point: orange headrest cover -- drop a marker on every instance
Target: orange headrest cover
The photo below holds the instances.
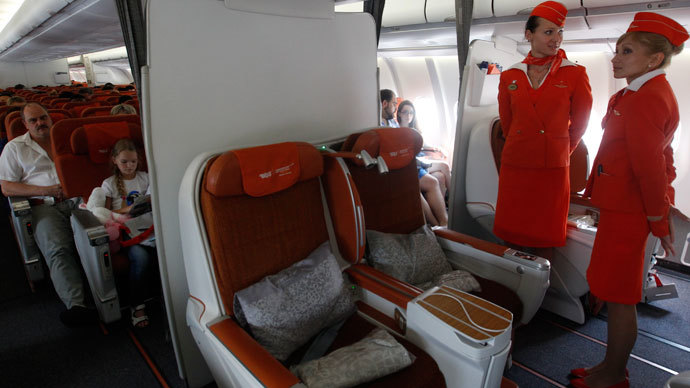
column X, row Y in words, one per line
column 397, row 146
column 263, row 170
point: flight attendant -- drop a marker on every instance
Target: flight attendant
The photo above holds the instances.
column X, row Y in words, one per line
column 544, row 104
column 630, row 182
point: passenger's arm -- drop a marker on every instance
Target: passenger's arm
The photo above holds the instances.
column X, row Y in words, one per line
column 580, row 108
column 122, row 210
column 22, row 189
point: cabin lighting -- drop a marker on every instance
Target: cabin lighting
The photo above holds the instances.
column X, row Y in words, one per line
column 7, row 10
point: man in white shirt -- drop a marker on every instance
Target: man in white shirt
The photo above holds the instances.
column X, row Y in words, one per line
column 388, row 108
column 27, row 169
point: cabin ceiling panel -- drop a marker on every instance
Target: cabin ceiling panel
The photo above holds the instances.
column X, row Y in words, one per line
column 524, row 7
column 403, row 12
column 81, row 27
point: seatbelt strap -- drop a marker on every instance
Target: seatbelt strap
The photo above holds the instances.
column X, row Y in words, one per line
column 322, row 342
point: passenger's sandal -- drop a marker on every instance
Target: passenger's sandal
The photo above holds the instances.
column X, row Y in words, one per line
column 137, row 320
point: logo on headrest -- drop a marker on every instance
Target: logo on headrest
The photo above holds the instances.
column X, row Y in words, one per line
column 280, row 171
column 401, row 152
column 103, row 150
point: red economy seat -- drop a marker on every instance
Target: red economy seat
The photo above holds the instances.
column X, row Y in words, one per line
column 57, row 103
column 96, row 111
column 78, row 165
column 76, row 107
column 16, row 125
column 113, row 100
column 81, row 152
column 14, row 130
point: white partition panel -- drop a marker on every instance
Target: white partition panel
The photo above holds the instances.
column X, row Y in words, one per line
column 244, row 79
column 480, row 50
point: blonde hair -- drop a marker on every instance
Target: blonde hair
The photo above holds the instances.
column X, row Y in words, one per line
column 121, row 145
column 654, row 43
column 123, row 109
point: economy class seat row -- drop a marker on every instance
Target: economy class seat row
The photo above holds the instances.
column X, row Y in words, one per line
column 81, row 155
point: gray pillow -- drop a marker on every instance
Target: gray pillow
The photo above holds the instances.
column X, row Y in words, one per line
column 283, row 311
column 376, row 355
column 415, row 258
column 458, row 279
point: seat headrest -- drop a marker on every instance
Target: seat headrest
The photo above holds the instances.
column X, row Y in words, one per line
column 264, row 170
column 97, row 140
column 397, row 146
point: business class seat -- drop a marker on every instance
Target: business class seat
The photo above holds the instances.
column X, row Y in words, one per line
column 391, row 205
column 568, row 282
column 235, row 230
column 81, row 152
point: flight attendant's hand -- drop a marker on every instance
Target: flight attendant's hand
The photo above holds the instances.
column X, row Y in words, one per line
column 667, row 244
column 667, row 241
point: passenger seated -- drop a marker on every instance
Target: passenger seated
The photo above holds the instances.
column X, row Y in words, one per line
column 388, row 106
column 123, row 99
column 4, row 96
column 123, row 109
column 27, row 169
column 121, row 190
column 87, row 93
column 434, row 179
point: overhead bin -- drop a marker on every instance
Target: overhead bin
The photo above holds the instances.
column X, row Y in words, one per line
column 609, row 3
column 520, row 7
column 403, row 12
column 444, row 10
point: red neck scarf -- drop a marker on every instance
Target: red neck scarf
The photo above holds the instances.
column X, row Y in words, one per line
column 556, row 59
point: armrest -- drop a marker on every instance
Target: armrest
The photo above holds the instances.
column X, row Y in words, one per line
column 86, row 223
column 253, row 356
column 509, row 254
column 474, row 242
column 19, row 205
column 387, row 287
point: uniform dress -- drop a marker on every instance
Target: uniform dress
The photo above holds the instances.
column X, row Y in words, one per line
column 630, row 180
column 542, row 127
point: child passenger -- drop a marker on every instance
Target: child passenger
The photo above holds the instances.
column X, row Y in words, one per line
column 121, row 190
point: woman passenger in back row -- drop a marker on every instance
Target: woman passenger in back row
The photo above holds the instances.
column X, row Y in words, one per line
column 544, row 104
column 630, row 182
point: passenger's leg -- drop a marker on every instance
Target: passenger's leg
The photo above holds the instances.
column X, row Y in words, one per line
column 139, row 264
column 429, row 186
column 441, row 181
column 441, row 171
column 622, row 334
column 428, row 214
column 54, row 238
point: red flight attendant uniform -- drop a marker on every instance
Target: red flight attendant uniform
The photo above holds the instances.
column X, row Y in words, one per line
column 542, row 127
column 630, row 180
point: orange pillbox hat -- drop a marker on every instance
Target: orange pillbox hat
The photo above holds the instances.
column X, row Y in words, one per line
column 552, row 11
column 659, row 24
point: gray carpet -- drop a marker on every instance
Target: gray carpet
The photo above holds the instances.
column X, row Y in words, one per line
column 36, row 350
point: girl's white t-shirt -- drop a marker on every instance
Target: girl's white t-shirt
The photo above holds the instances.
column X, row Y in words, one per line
column 134, row 188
